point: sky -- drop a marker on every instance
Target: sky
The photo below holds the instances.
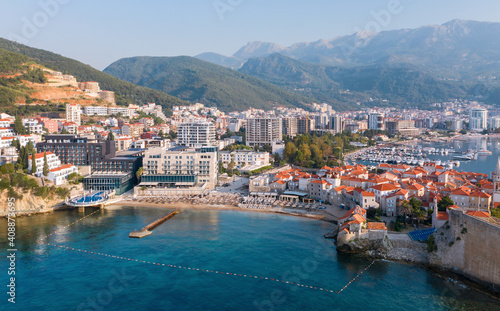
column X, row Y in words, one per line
column 100, row 32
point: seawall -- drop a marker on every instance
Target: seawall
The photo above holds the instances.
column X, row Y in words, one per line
column 469, row 246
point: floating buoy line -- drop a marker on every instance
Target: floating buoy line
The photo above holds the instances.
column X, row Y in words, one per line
column 248, row 276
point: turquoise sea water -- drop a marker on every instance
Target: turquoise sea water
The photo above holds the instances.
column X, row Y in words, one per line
column 273, row 246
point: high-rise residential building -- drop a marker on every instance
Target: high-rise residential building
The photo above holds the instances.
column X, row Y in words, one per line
column 73, row 112
column 336, row 123
column 376, row 121
column 478, row 119
column 196, row 134
column 305, row 125
column 321, row 121
column 180, row 170
column 290, row 126
column 493, row 123
column 263, row 131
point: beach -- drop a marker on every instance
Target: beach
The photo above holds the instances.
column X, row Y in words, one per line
column 319, row 215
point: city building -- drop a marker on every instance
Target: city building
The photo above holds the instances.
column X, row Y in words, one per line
column 290, row 126
column 402, row 127
column 493, row 123
column 305, row 125
column 196, row 134
column 73, row 112
column 336, row 123
column 263, row 131
column 376, row 121
column 33, row 126
column 180, row 170
column 245, row 160
column 95, row 110
column 478, row 119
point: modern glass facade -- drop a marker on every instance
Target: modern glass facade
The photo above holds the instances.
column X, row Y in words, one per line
column 121, row 183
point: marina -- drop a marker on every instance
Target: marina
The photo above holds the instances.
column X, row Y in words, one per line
column 474, row 154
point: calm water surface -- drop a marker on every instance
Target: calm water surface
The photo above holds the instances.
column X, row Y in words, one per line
column 484, row 164
column 274, row 246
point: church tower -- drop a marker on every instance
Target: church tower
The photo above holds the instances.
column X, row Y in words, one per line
column 496, row 184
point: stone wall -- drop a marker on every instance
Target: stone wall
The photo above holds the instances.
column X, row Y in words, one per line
column 469, row 246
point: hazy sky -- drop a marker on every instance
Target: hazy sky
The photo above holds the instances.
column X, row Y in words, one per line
column 100, row 32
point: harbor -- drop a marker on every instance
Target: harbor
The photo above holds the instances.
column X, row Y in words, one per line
column 470, row 153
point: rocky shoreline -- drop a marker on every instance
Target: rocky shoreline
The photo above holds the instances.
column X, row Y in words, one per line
column 413, row 253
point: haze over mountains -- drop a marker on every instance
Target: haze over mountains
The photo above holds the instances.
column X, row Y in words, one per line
column 401, row 68
column 458, row 49
column 408, row 67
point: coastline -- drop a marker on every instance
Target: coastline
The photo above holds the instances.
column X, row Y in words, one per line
column 182, row 205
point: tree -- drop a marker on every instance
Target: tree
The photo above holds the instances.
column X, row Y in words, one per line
column 139, row 173
column 45, row 165
column 444, row 203
column 19, row 127
column 277, row 159
column 16, row 144
column 64, row 131
column 111, row 136
column 290, row 150
column 33, row 163
column 231, row 165
column 404, row 208
column 306, row 152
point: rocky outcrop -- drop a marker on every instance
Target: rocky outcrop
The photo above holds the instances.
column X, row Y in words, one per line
column 31, row 204
column 398, row 250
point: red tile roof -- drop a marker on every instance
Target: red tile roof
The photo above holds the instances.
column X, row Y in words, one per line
column 443, row 216
column 376, row 226
column 478, row 214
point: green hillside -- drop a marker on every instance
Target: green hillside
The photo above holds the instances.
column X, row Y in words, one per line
column 199, row 81
column 125, row 92
column 345, row 86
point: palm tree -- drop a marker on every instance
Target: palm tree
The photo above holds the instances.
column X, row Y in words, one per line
column 404, row 208
column 419, row 214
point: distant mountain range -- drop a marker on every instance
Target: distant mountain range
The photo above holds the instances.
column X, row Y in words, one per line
column 200, row 81
column 401, row 85
column 461, row 50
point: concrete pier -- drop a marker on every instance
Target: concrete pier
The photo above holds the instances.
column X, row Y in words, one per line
column 149, row 228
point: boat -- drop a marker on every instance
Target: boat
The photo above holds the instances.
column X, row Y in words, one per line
column 464, row 157
column 484, row 152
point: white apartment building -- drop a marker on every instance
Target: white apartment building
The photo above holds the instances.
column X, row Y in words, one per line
column 336, row 123
column 478, row 119
column 60, row 174
column 180, row 168
column 73, row 112
column 33, row 126
column 263, row 131
column 95, row 110
column 6, row 132
column 493, row 123
column 6, row 122
column 290, row 126
column 196, row 134
column 116, row 110
column 52, row 161
column 244, row 158
column 376, row 121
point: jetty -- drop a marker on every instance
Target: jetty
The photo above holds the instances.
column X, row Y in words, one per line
column 149, row 228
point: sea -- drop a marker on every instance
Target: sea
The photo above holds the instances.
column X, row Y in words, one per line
column 209, row 260
column 484, row 164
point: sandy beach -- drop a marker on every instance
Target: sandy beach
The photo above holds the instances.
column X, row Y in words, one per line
column 319, row 215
